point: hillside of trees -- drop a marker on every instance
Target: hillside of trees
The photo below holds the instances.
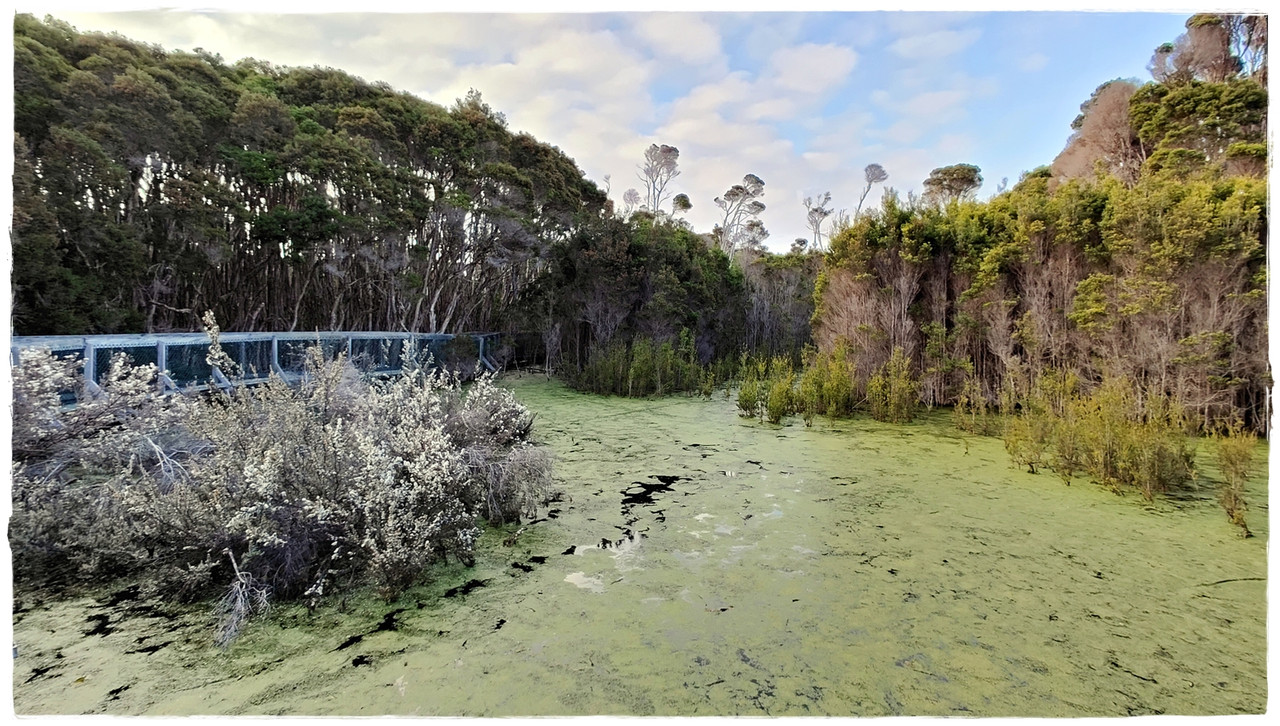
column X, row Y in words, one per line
column 1139, row 254
column 152, row 185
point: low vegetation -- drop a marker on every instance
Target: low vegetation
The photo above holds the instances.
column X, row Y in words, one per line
column 263, row 493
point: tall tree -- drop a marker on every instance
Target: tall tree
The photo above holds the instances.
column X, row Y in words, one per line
column 816, row 212
column 874, row 174
column 661, row 165
column 741, row 227
column 1103, row 134
column 952, row 183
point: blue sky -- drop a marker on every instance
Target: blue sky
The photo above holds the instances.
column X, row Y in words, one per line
column 803, row 100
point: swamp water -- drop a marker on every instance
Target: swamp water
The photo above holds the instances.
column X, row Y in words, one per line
column 703, row 564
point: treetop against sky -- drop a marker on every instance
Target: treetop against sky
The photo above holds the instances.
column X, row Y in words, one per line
column 803, row 100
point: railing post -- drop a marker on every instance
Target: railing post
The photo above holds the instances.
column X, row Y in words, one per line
column 162, row 364
column 275, row 357
column 91, row 369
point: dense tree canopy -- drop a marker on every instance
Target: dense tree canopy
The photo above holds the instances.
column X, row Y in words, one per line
column 1138, row 256
column 152, row 185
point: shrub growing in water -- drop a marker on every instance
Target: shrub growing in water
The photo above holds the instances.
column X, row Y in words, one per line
column 781, row 380
column 1122, row 441
column 357, row 482
column 1234, row 446
column 972, row 411
column 892, row 392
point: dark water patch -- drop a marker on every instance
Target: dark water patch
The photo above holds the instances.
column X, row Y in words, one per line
column 389, row 621
column 37, row 672
column 668, row 479
column 644, row 492
column 501, row 622
column 348, row 643
column 361, row 660
column 538, row 560
column 114, row 693
column 522, row 566
column 149, row 649
column 465, row 588
column 100, row 628
column 571, row 550
column 742, row 656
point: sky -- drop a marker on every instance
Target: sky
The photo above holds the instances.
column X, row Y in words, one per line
column 804, row 100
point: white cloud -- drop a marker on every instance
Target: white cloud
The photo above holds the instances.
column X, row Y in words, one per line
column 811, row 68
column 682, row 37
column 938, row 44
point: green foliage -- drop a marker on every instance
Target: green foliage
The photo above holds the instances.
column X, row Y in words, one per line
column 892, row 393
column 781, row 381
column 1123, row 440
column 171, row 182
column 648, row 368
column 1234, row 446
column 973, row 412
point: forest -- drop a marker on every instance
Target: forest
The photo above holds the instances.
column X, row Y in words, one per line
column 1138, row 252
column 1100, row 314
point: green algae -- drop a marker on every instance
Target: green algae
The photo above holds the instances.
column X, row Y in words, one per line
column 704, row 564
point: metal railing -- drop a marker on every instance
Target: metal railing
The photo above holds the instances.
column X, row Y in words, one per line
column 181, row 357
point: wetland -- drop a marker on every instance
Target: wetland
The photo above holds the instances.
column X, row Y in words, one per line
column 699, row 563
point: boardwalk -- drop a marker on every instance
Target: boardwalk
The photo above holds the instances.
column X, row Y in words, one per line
column 181, row 356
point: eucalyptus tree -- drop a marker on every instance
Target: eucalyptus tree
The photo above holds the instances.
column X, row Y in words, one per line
column 873, row 174
column 741, row 226
column 661, row 165
column 816, row 212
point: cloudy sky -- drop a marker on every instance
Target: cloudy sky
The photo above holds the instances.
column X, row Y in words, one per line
column 803, row 100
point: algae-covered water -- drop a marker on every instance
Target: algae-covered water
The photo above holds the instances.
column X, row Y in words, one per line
column 703, row 564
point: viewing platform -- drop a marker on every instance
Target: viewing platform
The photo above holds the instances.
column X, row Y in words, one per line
column 181, row 357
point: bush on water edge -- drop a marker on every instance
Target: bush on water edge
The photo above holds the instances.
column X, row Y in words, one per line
column 263, row 493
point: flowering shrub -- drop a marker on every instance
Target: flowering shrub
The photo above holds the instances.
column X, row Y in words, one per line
column 279, row 491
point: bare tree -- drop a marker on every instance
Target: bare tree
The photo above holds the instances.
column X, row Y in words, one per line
column 1103, row 134
column 1210, row 44
column 742, row 207
column 1247, row 36
column 657, row 171
column 816, row 212
column 874, row 174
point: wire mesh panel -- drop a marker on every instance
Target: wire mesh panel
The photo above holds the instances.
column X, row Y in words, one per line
column 253, row 356
column 137, row 355
column 377, row 355
column 187, row 364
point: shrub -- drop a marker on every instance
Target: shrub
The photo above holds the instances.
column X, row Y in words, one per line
column 357, row 482
column 1234, row 446
column 892, row 392
column 778, row 403
column 972, row 411
column 1120, row 439
column 754, row 388
column 749, row 397
column 812, row 384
